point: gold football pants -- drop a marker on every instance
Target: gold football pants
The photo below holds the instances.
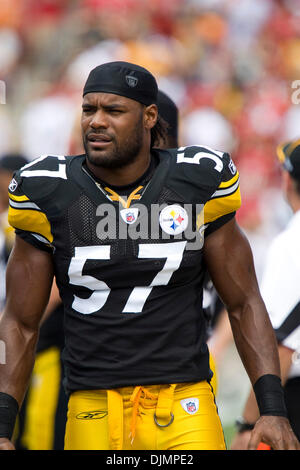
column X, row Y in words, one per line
column 156, row 417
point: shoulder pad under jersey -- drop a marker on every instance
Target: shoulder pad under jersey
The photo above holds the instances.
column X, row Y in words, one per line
column 31, row 196
column 39, row 179
column 198, row 170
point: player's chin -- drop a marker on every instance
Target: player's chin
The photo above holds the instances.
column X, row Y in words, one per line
column 101, row 158
column 96, row 152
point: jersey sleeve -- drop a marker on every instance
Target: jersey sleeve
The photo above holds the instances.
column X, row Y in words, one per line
column 25, row 214
column 29, row 221
column 225, row 201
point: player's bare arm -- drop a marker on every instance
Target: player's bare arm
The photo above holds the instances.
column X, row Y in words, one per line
column 29, row 280
column 251, row 412
column 230, row 263
column 229, row 260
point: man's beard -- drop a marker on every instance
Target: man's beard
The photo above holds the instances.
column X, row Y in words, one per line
column 120, row 155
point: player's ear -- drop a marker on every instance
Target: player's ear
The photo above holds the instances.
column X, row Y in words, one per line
column 150, row 116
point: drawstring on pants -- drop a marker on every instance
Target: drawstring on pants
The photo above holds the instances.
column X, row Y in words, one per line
column 163, row 416
column 135, row 400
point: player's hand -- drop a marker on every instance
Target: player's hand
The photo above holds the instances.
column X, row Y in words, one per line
column 6, row 444
column 241, row 441
column 274, row 431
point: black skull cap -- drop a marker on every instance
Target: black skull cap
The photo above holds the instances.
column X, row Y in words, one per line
column 125, row 79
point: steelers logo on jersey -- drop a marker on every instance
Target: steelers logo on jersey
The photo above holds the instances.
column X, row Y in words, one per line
column 173, row 219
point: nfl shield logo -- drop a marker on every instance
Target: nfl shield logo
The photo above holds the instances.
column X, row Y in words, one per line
column 131, row 81
column 129, row 215
column 190, row 405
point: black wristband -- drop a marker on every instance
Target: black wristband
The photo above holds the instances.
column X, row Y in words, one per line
column 242, row 425
column 9, row 409
column 270, row 396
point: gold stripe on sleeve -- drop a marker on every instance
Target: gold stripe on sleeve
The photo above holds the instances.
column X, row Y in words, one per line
column 18, row 198
column 30, row 221
column 226, row 184
column 218, row 207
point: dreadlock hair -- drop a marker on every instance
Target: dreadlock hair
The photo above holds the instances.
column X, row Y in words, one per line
column 159, row 132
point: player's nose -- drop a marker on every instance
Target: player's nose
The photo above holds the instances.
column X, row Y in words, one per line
column 99, row 120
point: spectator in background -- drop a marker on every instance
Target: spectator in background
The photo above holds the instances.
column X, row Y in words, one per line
column 280, row 290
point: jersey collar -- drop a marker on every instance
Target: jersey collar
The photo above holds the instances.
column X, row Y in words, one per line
column 98, row 195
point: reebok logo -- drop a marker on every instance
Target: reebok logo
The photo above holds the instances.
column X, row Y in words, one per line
column 98, row 414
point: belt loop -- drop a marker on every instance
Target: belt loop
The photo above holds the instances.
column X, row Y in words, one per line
column 163, row 415
column 115, row 419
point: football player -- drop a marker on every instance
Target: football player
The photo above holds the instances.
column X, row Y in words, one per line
column 125, row 229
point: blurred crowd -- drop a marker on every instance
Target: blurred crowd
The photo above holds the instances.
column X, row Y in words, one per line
column 229, row 65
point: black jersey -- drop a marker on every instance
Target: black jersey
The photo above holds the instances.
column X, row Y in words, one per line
column 129, row 269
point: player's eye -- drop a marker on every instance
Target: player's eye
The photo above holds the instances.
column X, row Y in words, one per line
column 88, row 109
column 115, row 111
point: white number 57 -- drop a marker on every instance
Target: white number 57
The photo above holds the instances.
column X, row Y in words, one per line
column 173, row 252
column 216, row 156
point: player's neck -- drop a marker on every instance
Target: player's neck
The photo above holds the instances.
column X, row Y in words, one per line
column 127, row 189
column 121, row 176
